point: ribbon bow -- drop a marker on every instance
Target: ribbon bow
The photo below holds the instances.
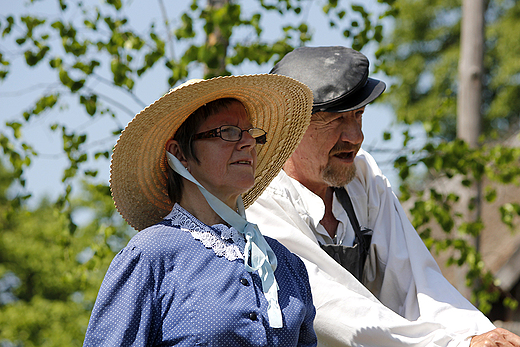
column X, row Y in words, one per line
column 257, row 252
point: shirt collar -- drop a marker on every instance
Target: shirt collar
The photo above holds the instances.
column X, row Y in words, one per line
column 313, row 209
column 311, row 203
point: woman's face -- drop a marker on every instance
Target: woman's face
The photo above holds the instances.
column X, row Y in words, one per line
column 226, row 169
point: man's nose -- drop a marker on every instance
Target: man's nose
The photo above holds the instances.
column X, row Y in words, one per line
column 351, row 131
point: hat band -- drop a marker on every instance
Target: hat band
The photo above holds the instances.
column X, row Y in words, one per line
column 262, row 256
column 334, row 105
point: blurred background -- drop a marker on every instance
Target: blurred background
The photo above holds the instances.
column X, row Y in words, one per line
column 74, row 73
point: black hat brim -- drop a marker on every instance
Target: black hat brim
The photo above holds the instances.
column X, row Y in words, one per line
column 371, row 91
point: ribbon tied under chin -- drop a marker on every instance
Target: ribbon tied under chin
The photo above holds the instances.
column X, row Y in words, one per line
column 258, row 255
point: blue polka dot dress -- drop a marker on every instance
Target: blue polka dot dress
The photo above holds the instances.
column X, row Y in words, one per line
column 183, row 283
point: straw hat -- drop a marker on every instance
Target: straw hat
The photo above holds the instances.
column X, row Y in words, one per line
column 280, row 105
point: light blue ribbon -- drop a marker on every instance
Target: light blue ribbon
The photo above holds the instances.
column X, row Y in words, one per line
column 257, row 251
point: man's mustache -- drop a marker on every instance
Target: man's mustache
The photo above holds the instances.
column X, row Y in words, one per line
column 341, row 147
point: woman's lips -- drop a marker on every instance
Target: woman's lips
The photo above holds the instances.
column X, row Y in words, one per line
column 243, row 162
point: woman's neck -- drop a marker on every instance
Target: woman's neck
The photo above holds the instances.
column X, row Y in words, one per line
column 195, row 203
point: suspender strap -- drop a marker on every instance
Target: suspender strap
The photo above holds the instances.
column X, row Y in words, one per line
column 351, row 258
column 363, row 237
column 345, row 201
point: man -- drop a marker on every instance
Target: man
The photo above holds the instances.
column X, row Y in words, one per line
column 333, row 207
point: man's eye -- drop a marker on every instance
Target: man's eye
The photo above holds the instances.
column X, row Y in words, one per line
column 334, row 120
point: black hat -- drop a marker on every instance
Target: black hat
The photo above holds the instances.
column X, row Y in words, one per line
column 337, row 76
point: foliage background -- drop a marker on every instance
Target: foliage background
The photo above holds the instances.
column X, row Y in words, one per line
column 74, row 73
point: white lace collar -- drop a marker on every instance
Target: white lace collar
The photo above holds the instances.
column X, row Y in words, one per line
column 229, row 244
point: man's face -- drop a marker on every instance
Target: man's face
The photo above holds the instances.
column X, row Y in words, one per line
column 325, row 156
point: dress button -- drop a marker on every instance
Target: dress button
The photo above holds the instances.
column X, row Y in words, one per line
column 244, row 281
column 252, row 316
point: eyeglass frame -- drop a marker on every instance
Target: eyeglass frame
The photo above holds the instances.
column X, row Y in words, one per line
column 217, row 132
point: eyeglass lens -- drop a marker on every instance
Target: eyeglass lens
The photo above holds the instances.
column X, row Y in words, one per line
column 233, row 133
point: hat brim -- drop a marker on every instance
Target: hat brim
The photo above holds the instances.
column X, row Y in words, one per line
column 371, row 91
column 138, row 174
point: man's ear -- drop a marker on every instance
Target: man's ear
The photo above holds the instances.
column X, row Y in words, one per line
column 174, row 148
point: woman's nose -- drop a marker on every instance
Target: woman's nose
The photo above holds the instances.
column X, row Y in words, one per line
column 247, row 140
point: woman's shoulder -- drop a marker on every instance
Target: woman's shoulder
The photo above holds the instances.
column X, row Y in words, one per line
column 282, row 253
column 159, row 239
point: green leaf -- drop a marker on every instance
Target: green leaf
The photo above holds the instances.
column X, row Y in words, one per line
column 90, row 103
column 16, row 128
column 8, row 28
column 490, row 194
column 33, row 58
column 45, row 103
column 104, row 154
column 116, row 3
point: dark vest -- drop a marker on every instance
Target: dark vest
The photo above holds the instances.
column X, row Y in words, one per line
column 353, row 257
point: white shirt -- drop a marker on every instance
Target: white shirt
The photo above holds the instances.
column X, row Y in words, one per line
column 408, row 302
column 345, row 234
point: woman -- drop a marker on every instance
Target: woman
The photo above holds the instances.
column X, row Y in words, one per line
column 198, row 273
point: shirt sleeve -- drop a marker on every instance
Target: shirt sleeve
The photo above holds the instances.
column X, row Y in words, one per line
column 401, row 271
column 347, row 313
column 123, row 312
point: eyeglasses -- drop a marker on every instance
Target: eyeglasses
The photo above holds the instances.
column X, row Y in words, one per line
column 232, row 133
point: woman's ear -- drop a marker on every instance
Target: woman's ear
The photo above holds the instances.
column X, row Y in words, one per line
column 174, row 148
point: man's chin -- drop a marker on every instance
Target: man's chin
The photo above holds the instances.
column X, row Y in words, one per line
column 338, row 177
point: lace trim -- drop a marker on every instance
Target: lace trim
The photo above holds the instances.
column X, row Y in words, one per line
column 229, row 244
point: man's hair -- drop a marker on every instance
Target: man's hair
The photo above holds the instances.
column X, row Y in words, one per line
column 183, row 137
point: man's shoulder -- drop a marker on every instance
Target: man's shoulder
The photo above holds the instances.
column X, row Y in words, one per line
column 282, row 186
column 368, row 173
column 365, row 161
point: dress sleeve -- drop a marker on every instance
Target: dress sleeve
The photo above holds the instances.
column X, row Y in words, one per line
column 307, row 336
column 123, row 314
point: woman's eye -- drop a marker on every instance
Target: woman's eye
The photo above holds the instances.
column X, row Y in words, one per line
column 228, row 130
